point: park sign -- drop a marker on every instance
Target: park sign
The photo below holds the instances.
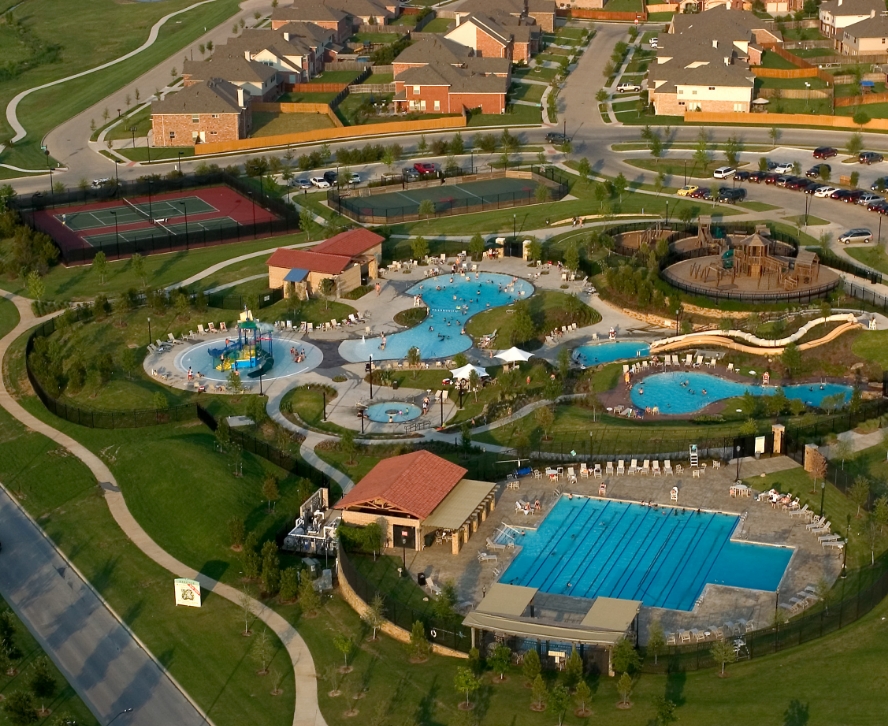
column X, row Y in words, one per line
column 187, row 592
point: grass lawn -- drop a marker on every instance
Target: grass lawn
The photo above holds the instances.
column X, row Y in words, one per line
column 514, row 116
column 526, row 92
column 852, row 89
column 347, row 111
column 552, row 55
column 142, row 153
column 802, row 34
column 792, row 105
column 676, row 168
column 873, row 110
column 307, row 97
column 269, row 124
column 758, row 206
column 548, row 309
column 91, row 34
column 625, row 6
column 772, row 60
column 438, row 25
column 813, row 52
column 141, row 120
column 812, row 221
column 65, row 703
column 793, row 83
column 873, row 256
column 383, row 38
column 9, row 316
column 80, row 283
column 380, row 78
column 307, row 405
column 537, row 73
column 660, row 17
column 639, row 63
column 336, row 77
column 312, row 311
column 405, row 20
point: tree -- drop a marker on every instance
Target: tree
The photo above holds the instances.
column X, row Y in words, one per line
column 733, row 149
column 419, row 644
column 344, row 644
column 326, row 290
column 36, row 286
column 445, row 602
column 624, row 657
column 137, row 265
column 234, row 382
column 423, row 146
column 306, row 222
column 523, row 327
column 861, row 117
column 308, row 596
column 602, row 95
column 270, row 490
column 236, row 532
column 701, row 149
column 539, row 692
column 665, row 712
column 559, row 699
column 859, row 493
column 263, row 651
column 544, row 419
column 535, row 250
column 620, row 185
column 583, row 696
column 128, row 361
column 271, row 569
column 500, row 660
column 347, row 446
column 457, row 145
column 791, row 358
column 476, row 246
column 474, row 383
column 624, row 688
column 466, row 682
column 419, row 247
column 774, row 135
column 43, row 684
column 880, row 512
column 541, row 194
column 531, row 667
column 571, row 256
column 20, row 709
column 426, row 209
column 374, row 615
column 413, row 359
column 855, row 144
column 573, row 669
column 584, row 168
column 563, row 361
column 656, row 640
column 250, row 558
column 100, row 265
column 723, row 652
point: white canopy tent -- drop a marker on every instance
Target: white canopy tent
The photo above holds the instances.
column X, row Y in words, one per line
column 464, row 372
column 514, row 355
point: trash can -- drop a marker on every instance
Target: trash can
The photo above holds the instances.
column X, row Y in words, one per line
column 394, row 385
column 421, row 579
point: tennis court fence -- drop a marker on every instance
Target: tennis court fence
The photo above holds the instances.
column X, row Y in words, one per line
column 354, row 203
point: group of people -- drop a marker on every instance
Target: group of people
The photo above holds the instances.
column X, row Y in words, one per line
column 425, row 405
column 577, row 222
column 298, row 355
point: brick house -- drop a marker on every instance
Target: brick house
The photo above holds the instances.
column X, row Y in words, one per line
column 439, row 75
column 346, row 258
column 317, row 13
column 703, row 62
column 541, row 11
column 867, row 37
column 295, row 51
column 211, row 110
column 836, row 15
column 497, row 36
column 255, row 79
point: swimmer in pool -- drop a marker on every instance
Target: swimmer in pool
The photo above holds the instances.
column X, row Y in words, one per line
column 703, row 391
column 640, row 391
column 431, row 328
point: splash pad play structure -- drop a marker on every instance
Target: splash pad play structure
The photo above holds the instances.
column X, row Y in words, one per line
column 252, row 352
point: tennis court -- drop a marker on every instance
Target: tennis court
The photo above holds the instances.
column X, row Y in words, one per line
column 445, row 195
column 109, row 239
column 133, row 213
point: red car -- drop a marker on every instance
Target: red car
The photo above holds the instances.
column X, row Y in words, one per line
column 424, row 167
column 825, row 152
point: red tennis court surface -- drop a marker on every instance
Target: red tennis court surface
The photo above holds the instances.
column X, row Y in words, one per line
column 162, row 223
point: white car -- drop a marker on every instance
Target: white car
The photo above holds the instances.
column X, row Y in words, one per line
column 783, row 168
column 319, row 182
column 825, row 191
column 724, row 172
column 628, row 88
column 354, row 178
column 655, row 43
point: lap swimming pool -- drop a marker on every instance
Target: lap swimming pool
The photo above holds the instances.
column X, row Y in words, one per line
column 681, row 392
column 609, row 351
column 452, row 300
column 663, row 557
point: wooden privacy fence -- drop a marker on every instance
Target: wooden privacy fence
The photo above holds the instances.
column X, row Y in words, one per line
column 870, row 98
column 373, row 88
column 317, row 87
column 846, row 78
column 794, row 93
column 805, row 44
column 586, row 14
column 760, row 72
column 777, row 119
column 304, row 137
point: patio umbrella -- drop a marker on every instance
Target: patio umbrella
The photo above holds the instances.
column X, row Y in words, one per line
column 514, row 355
column 464, row 372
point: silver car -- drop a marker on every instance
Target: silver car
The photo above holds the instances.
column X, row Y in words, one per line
column 859, row 234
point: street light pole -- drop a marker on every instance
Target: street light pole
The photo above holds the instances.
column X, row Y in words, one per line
column 185, row 211
column 180, row 161
column 150, row 209
column 370, row 371
column 126, row 710
column 117, row 244
column 442, row 412
column 514, row 233
column 822, row 492
column 149, row 331
column 324, row 394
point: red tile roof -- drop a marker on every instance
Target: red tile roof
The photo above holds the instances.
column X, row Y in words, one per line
column 312, row 261
column 415, row 483
column 352, row 243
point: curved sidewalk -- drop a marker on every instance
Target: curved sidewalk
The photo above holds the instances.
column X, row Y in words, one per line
column 307, row 712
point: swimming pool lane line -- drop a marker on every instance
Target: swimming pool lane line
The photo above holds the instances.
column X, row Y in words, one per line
column 692, row 544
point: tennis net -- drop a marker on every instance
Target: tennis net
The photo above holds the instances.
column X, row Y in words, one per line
column 166, row 229
column 138, row 209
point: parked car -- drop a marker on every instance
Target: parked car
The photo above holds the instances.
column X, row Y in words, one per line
column 839, row 194
column 783, row 180
column 655, row 43
column 410, row 174
column 869, row 157
column 320, row 182
column 703, row 194
column 825, row 191
column 555, row 138
column 816, row 171
column 724, row 172
column 877, row 206
column 698, row 193
column 731, row 196
column 354, row 178
column 687, row 190
column 811, row 187
column 770, row 178
column 628, row 88
column 867, row 198
column 880, row 184
column 757, row 176
column 825, row 152
column 331, row 176
column 742, row 176
column 852, row 196
column 783, row 167
column 302, row 183
column 798, row 183
column 425, row 167
column 859, row 234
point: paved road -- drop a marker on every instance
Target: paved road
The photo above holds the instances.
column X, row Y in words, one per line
column 101, row 659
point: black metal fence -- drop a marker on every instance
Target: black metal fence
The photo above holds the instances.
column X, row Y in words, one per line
column 74, row 252
column 447, row 632
column 239, row 302
column 94, row 418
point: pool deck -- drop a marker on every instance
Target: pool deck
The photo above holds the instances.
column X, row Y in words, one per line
column 720, row 604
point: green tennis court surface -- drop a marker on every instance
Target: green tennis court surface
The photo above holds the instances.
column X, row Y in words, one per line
column 135, row 235
column 489, row 190
column 125, row 214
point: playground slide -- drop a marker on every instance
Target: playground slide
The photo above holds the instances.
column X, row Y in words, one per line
column 713, row 340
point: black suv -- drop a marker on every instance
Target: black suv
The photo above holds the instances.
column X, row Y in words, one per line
column 731, row 196
column 330, row 177
column 556, row 139
column 816, row 171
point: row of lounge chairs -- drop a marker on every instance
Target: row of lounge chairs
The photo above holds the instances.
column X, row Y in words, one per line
column 713, row 632
column 556, row 333
column 801, row 600
column 689, row 361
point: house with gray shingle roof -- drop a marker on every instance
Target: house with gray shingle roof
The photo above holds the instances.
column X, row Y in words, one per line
column 866, row 37
column 497, row 35
column 256, row 79
column 204, row 111
column 295, row 51
column 836, row 15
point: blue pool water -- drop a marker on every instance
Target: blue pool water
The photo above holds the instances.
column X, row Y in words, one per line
column 393, row 412
column 609, row 351
column 663, row 557
column 666, row 391
column 450, row 305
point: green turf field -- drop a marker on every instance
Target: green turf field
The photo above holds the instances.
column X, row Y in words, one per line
column 133, row 213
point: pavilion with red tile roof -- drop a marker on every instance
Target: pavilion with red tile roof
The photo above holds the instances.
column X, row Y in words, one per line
column 414, row 496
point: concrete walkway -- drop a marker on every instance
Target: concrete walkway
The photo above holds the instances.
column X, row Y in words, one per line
column 307, row 712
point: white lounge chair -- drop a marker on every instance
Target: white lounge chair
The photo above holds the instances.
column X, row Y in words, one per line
column 698, row 362
column 433, row 587
column 596, row 472
column 835, row 544
column 685, row 636
column 212, row 327
column 828, row 538
column 621, row 468
column 667, row 467
column 633, row 467
column 815, row 523
column 822, row 530
column 223, row 327
column 673, row 494
column 571, row 475
column 730, row 367
column 491, row 545
column 689, row 359
column 646, row 467
column 486, row 557
column 584, row 471
column 656, row 468
column 800, row 512
column 200, row 329
column 711, row 363
column 609, row 468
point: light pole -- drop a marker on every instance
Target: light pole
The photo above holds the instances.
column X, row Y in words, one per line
column 822, row 493
column 150, row 209
column 117, row 176
column 185, row 211
column 117, row 243
column 807, row 94
column 149, row 331
column 514, row 233
column 180, row 161
column 737, row 448
column 845, row 548
column 442, row 412
column 126, row 710
column 133, row 131
column 324, row 394
column 49, row 167
column 369, row 369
